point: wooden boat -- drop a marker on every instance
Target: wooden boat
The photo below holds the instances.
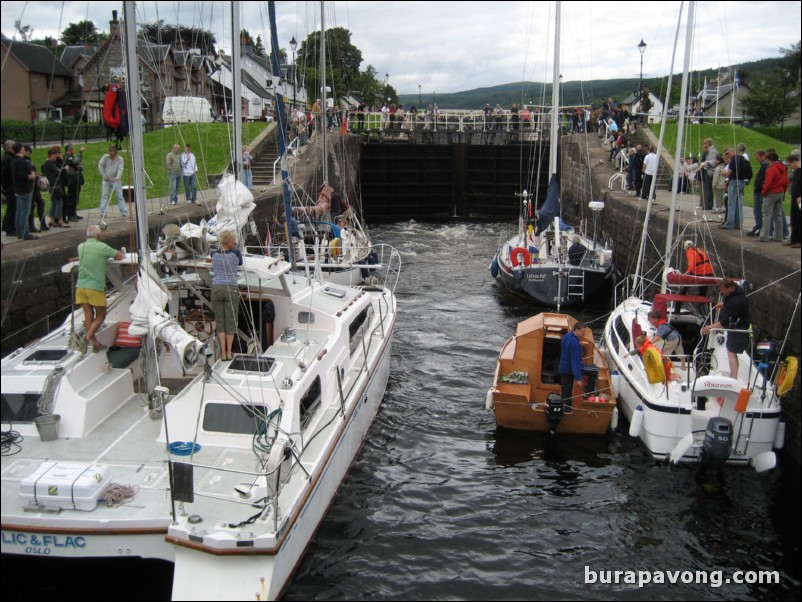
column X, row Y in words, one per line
column 526, row 389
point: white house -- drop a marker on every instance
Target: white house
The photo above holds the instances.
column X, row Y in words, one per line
column 655, row 113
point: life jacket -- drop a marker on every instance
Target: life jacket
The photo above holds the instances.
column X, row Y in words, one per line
column 702, row 265
column 111, row 108
column 654, row 363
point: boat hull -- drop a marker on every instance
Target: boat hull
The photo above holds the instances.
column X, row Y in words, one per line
column 551, row 286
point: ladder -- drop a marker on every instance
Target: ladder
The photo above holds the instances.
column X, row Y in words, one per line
column 576, row 284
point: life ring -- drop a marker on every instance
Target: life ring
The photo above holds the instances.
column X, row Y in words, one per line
column 199, row 324
column 335, row 247
column 786, row 376
column 527, row 258
column 111, row 109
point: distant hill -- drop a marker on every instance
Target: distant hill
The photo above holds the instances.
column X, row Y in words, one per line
column 579, row 93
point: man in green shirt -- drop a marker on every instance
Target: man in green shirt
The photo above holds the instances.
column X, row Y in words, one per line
column 90, row 290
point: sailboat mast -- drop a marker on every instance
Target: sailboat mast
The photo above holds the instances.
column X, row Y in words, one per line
column 680, row 133
column 323, row 127
column 135, row 128
column 555, row 94
column 236, row 88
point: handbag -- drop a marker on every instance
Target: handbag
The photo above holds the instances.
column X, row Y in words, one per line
column 42, row 183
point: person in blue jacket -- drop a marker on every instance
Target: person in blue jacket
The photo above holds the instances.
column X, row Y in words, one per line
column 572, row 369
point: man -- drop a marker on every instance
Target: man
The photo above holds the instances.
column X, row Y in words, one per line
column 24, row 176
column 635, row 170
column 737, row 174
column 774, row 186
column 75, row 179
column 111, row 167
column 576, row 252
column 649, row 171
column 709, row 154
column 7, row 175
column 571, row 367
column 733, row 314
column 174, row 171
column 90, row 290
column 760, row 178
column 670, row 336
column 795, row 241
column 189, row 167
column 698, row 261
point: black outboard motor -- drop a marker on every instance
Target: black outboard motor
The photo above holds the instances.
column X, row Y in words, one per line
column 717, row 446
column 554, row 411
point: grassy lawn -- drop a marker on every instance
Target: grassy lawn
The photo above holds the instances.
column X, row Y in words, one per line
column 723, row 136
column 211, row 143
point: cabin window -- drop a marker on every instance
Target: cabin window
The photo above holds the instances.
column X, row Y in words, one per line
column 19, row 407
column 356, row 328
column 238, row 419
column 310, row 402
column 622, row 332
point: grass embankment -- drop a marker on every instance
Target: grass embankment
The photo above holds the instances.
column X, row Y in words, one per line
column 211, row 143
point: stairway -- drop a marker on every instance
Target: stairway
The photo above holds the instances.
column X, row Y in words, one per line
column 664, row 171
column 262, row 166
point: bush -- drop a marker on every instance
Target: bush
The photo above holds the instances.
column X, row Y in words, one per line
column 791, row 134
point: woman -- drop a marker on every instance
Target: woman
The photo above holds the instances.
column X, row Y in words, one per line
column 247, row 175
column 53, row 170
column 225, row 291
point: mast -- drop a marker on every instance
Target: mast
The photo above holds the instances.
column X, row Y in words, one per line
column 680, row 134
column 639, row 281
column 555, row 94
column 135, row 129
column 282, row 126
column 236, row 88
column 323, row 127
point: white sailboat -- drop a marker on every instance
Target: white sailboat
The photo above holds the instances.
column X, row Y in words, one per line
column 700, row 412
column 537, row 261
column 226, row 469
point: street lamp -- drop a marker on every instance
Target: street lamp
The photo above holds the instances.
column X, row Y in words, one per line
column 419, row 96
column 293, row 46
column 641, row 49
column 786, row 80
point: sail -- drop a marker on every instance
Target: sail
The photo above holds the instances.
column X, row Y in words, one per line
column 551, row 206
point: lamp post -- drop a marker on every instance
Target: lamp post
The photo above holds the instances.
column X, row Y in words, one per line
column 786, row 79
column 293, row 46
column 419, row 96
column 641, row 49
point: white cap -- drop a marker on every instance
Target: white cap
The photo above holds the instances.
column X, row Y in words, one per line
column 688, row 244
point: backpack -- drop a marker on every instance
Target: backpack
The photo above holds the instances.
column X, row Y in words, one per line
column 745, row 168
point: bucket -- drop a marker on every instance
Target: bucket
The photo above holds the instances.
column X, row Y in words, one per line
column 47, row 426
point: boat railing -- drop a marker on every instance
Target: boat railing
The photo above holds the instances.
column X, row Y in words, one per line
column 296, row 142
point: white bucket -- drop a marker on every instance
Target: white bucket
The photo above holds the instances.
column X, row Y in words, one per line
column 47, row 426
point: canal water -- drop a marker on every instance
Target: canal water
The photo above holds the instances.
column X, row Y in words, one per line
column 442, row 505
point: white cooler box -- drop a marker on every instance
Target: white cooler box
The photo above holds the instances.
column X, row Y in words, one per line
column 65, row 486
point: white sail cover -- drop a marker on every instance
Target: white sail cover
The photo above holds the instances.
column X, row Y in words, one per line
column 233, row 208
column 148, row 317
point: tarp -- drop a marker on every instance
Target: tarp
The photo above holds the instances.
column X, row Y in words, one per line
column 551, row 206
column 660, row 302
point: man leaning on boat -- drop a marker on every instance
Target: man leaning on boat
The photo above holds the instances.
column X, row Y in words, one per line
column 572, row 369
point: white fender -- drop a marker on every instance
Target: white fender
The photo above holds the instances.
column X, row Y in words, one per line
column 636, row 423
column 764, row 461
column 779, row 435
column 615, row 381
column 489, row 400
column 614, row 420
column 681, row 448
column 274, row 461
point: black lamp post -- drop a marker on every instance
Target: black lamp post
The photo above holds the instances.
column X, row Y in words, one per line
column 641, row 49
column 786, row 79
column 293, row 46
column 419, row 96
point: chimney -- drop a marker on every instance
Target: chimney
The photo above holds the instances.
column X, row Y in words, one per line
column 114, row 24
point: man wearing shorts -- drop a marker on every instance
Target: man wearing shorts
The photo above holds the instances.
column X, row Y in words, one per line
column 733, row 314
column 90, row 290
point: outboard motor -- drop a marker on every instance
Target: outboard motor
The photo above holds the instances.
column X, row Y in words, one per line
column 554, row 411
column 717, row 446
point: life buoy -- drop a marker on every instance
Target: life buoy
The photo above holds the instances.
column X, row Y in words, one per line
column 786, row 376
column 111, row 108
column 655, row 370
column 335, row 247
column 527, row 258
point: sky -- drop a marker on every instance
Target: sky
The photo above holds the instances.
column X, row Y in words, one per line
column 451, row 47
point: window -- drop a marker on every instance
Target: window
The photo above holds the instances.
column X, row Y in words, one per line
column 239, row 419
column 622, row 332
column 356, row 328
column 310, row 402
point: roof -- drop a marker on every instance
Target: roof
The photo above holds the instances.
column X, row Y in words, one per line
column 71, row 54
column 36, row 58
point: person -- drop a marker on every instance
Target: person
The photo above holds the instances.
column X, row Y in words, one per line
column 708, row 157
column 635, row 171
column 53, row 170
column 90, row 289
column 9, row 198
column 75, row 179
column 361, row 109
column 733, row 314
column 37, row 202
column 225, row 291
column 795, row 241
column 24, row 182
column 428, row 117
column 736, row 177
column 498, row 116
column 718, row 185
column 247, row 174
column 576, row 252
column 317, row 115
column 760, row 178
column 670, row 337
column 571, row 367
column 111, row 167
column 189, row 169
column 174, row 171
column 775, row 184
column 649, row 172
column 698, row 261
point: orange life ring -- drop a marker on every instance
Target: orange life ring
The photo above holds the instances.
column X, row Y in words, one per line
column 524, row 253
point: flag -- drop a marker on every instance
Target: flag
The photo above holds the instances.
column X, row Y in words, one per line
column 344, row 126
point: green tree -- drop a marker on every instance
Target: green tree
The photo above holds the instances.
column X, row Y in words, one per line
column 182, row 38
column 80, row 33
column 768, row 100
column 25, row 31
column 259, row 48
column 342, row 62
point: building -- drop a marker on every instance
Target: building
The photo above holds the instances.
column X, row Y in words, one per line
column 35, row 84
column 655, row 112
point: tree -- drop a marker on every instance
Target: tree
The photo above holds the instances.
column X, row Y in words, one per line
column 80, row 33
column 342, row 63
column 259, row 48
column 768, row 100
column 182, row 38
column 25, row 31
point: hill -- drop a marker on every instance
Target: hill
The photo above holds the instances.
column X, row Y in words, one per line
column 576, row 92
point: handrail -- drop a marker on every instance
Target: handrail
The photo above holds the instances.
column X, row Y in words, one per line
column 297, row 142
column 452, row 120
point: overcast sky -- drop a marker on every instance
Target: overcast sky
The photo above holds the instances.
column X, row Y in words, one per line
column 451, row 47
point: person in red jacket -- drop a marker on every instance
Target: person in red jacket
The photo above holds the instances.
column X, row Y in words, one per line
column 774, row 187
column 698, row 261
